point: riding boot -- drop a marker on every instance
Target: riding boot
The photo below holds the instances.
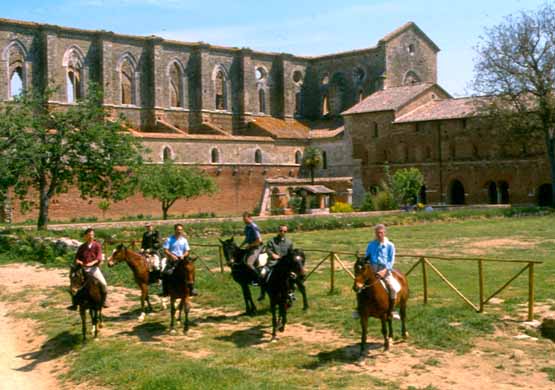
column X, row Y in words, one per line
column 192, row 289
column 104, row 294
column 73, row 306
column 262, row 294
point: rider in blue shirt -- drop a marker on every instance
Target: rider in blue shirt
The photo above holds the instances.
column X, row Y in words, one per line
column 252, row 242
column 177, row 248
column 381, row 256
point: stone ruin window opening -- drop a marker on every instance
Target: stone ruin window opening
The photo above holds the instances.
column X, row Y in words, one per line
column 298, row 157
column 167, row 154
column 375, row 130
column 16, row 69
column 258, row 157
column 127, row 86
column 358, row 75
column 261, row 101
column 73, row 85
column 16, row 82
column 411, row 49
column 324, row 160
column 297, row 77
column 176, row 86
column 360, row 96
column 325, row 106
column 260, row 73
column 325, row 80
column 298, row 104
column 215, row 156
column 220, row 91
column 411, row 78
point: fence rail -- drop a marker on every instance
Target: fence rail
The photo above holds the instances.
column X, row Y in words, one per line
column 425, row 261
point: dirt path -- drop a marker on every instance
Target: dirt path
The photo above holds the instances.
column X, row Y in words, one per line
column 22, row 365
column 498, row 362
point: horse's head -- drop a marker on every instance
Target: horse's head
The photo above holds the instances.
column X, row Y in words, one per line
column 363, row 274
column 118, row 254
column 230, row 249
column 76, row 278
column 298, row 260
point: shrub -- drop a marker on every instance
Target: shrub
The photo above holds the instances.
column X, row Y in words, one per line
column 367, row 202
column 384, row 200
column 341, row 207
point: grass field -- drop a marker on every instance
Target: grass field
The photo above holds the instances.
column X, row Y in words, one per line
column 225, row 350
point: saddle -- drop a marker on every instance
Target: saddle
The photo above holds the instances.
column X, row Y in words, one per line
column 391, row 284
column 152, row 260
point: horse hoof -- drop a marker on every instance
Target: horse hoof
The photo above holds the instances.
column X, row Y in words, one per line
column 305, row 308
column 142, row 317
column 405, row 336
column 281, row 328
column 173, row 331
column 274, row 339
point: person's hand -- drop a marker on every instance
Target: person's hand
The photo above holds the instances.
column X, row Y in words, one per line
column 275, row 257
column 79, row 262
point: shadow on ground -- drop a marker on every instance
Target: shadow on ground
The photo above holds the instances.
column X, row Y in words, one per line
column 53, row 348
column 346, row 354
column 246, row 337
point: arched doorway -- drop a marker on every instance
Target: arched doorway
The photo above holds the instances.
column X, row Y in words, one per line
column 422, row 195
column 545, row 196
column 503, row 192
column 492, row 192
column 456, row 192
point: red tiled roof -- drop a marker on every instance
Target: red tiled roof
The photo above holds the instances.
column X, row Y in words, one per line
column 442, row 109
column 327, row 133
column 281, row 128
column 389, row 99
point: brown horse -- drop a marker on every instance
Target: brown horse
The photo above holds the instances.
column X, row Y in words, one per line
column 88, row 295
column 140, row 268
column 373, row 300
column 178, row 288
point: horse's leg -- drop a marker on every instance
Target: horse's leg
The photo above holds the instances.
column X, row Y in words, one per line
column 252, row 307
column 300, row 284
column 144, row 295
column 249, row 305
column 83, row 314
column 94, row 313
column 283, row 315
column 187, row 308
column 172, row 314
column 363, row 333
column 384, row 333
column 403, row 315
column 93, row 328
column 100, row 320
column 274, row 318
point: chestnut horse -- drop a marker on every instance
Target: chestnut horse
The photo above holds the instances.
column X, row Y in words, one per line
column 178, row 288
column 87, row 292
column 279, row 286
column 140, row 268
column 373, row 300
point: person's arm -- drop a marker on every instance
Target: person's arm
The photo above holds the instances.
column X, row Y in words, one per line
column 167, row 252
column 143, row 242
column 271, row 250
column 369, row 252
column 391, row 257
column 186, row 249
column 156, row 241
column 79, row 256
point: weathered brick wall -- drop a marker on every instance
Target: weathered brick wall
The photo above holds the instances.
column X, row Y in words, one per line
column 240, row 189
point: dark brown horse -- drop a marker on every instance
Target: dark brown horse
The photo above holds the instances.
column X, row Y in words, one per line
column 279, row 287
column 88, row 296
column 178, row 288
column 141, row 273
column 373, row 300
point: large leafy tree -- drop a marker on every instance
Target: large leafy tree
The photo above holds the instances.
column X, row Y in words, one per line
column 516, row 69
column 312, row 159
column 45, row 151
column 168, row 183
column 405, row 185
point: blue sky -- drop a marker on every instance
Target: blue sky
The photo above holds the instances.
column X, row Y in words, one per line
column 299, row 27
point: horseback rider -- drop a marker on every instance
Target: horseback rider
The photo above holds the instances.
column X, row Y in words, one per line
column 150, row 245
column 89, row 256
column 176, row 248
column 380, row 253
column 276, row 248
column 252, row 242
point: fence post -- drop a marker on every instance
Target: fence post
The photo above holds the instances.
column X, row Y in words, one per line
column 424, row 279
column 221, row 256
column 530, row 291
column 481, row 284
column 332, row 271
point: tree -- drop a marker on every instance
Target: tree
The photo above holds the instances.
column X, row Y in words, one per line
column 405, row 185
column 49, row 151
column 312, row 159
column 515, row 68
column 169, row 183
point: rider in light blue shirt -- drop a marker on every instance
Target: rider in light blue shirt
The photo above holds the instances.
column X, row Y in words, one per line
column 381, row 256
column 177, row 248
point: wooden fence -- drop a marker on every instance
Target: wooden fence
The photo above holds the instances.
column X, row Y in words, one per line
column 424, row 261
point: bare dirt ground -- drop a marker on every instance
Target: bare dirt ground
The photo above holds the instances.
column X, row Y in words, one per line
column 504, row 360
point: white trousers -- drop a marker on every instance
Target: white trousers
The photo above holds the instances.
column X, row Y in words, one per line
column 95, row 272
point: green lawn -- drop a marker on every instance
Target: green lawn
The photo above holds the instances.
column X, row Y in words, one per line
column 232, row 353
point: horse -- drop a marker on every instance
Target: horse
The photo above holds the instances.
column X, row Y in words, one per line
column 279, row 286
column 141, row 273
column 87, row 292
column 298, row 279
column 240, row 271
column 373, row 300
column 178, row 288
